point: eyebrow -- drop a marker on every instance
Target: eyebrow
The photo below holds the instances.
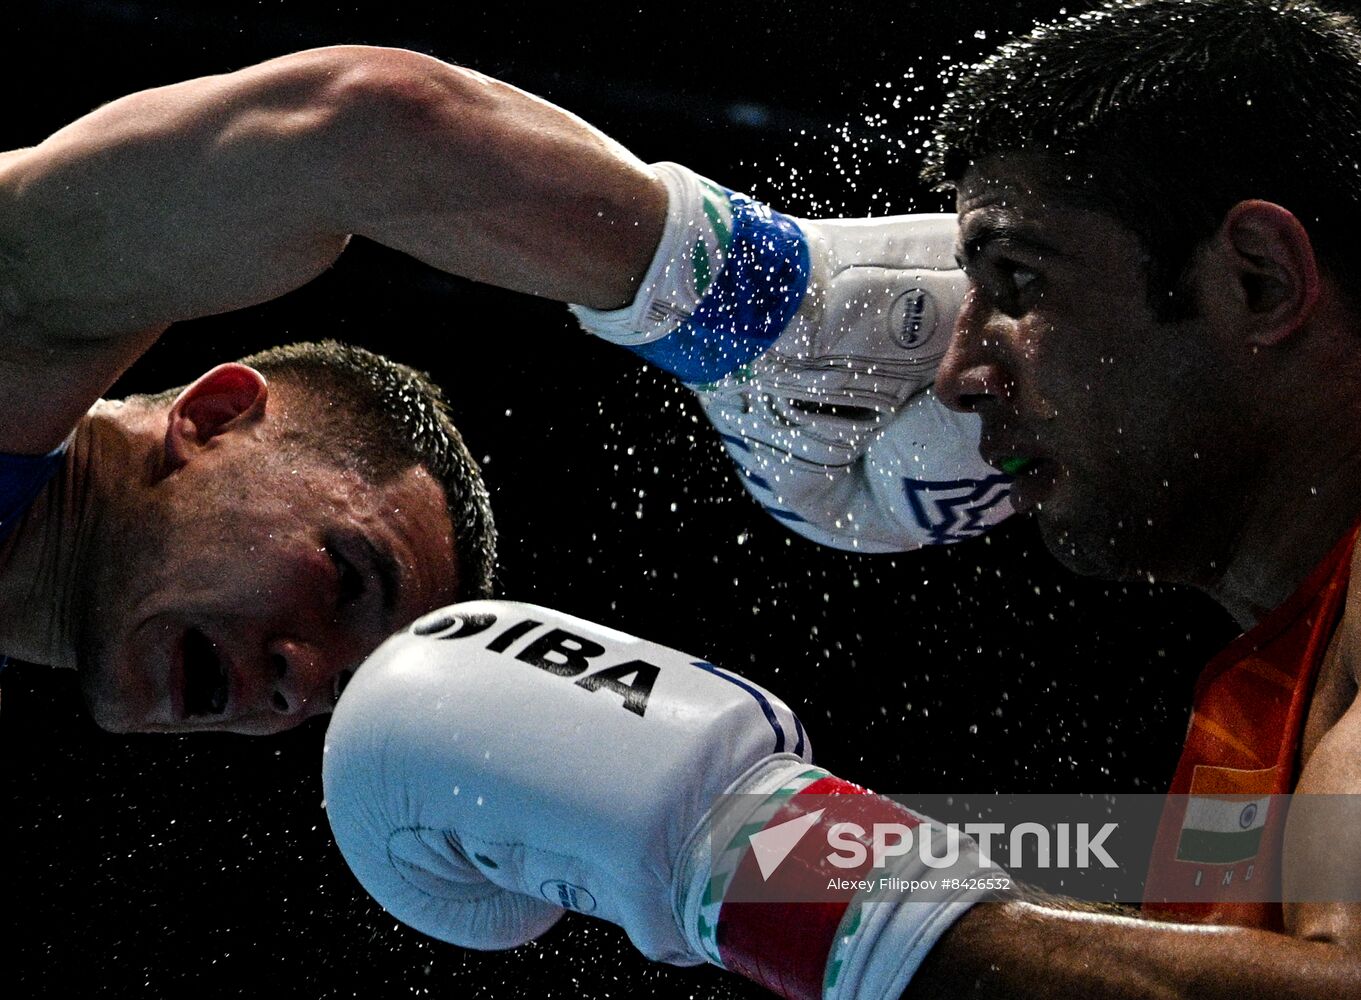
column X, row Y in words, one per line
column 385, row 567
column 1002, row 232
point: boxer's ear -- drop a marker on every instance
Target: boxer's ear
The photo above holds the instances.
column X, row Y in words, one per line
column 230, row 397
column 1273, row 272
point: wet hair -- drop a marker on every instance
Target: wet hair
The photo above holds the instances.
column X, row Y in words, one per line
column 1166, row 113
column 380, row 418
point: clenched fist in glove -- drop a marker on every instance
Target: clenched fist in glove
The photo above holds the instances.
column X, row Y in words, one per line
column 497, row 763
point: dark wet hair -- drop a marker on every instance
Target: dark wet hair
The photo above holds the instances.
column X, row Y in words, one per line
column 380, row 418
column 1166, row 113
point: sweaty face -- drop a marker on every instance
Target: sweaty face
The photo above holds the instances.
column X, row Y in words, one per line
column 1125, row 428
column 252, row 590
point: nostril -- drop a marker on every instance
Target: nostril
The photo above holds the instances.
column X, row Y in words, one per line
column 280, row 665
column 280, row 702
column 970, row 401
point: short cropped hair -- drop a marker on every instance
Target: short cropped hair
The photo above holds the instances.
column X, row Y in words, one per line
column 381, row 418
column 1166, row 113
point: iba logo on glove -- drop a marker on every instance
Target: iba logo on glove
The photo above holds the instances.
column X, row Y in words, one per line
column 556, row 651
column 568, row 896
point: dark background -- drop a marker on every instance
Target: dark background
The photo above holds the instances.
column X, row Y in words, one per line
column 164, row 866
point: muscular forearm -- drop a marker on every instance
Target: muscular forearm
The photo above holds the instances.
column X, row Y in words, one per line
column 480, row 179
column 1020, row 950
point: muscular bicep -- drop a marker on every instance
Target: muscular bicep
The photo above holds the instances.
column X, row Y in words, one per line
column 225, row 191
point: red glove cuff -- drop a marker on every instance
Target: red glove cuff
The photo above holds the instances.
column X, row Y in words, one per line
column 785, row 946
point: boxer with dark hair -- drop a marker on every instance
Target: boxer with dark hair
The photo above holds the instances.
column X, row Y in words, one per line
column 1160, row 337
column 222, row 557
column 1173, row 400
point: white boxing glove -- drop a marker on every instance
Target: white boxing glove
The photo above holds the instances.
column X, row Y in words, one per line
column 496, row 763
column 810, row 344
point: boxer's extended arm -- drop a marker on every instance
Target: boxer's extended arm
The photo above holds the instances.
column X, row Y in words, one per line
column 225, row 191
column 473, row 782
column 1019, row 951
column 466, row 789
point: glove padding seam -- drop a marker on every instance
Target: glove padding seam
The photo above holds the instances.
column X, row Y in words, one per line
column 402, row 865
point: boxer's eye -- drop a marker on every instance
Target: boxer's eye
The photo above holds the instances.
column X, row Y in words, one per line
column 1012, row 285
column 1012, row 282
column 350, row 580
column 1022, row 278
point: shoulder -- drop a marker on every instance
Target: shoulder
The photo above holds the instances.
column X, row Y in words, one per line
column 1347, row 640
column 1335, row 697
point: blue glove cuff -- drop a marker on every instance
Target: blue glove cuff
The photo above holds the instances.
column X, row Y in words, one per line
column 749, row 304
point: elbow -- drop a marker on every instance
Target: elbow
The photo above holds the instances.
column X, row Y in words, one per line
column 372, row 92
column 371, row 123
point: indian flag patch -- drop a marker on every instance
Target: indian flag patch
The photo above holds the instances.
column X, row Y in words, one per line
column 1226, row 815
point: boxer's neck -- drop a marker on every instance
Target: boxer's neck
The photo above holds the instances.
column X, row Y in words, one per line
column 1310, row 499
column 46, row 561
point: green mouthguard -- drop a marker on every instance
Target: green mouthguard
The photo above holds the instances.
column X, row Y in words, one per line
column 1014, row 466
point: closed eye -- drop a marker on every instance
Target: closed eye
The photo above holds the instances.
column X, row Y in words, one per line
column 350, row 582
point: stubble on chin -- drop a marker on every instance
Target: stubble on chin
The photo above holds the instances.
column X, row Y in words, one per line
column 1077, row 551
column 1098, row 540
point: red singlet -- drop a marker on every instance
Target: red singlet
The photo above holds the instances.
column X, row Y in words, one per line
column 1243, row 743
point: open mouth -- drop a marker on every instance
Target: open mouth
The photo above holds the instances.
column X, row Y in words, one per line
column 205, row 676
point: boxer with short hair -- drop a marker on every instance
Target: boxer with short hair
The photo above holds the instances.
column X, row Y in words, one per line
column 182, row 564
column 1172, row 441
column 1176, row 395
column 223, row 556
column 234, row 548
